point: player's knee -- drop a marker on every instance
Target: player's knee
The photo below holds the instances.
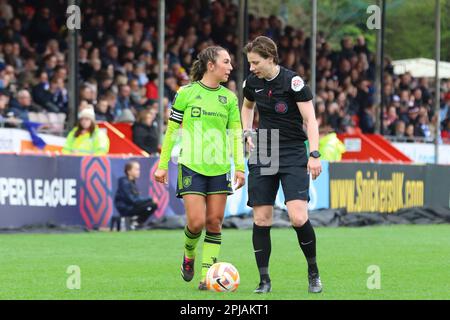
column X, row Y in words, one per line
column 262, row 221
column 299, row 220
column 214, row 224
column 262, row 216
column 196, row 226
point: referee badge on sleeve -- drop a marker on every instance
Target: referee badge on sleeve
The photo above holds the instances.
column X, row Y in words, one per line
column 297, row 83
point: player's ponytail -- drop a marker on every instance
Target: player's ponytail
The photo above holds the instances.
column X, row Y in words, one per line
column 197, row 70
column 200, row 66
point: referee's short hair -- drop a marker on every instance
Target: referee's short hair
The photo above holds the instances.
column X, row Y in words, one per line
column 263, row 46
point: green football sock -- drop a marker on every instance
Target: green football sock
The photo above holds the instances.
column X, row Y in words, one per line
column 190, row 242
column 211, row 249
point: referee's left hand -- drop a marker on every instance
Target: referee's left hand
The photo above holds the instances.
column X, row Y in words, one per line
column 239, row 179
column 314, row 167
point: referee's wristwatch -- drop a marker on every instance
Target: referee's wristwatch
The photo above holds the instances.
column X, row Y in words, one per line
column 315, row 154
column 247, row 133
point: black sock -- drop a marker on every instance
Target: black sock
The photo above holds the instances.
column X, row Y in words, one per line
column 307, row 241
column 262, row 247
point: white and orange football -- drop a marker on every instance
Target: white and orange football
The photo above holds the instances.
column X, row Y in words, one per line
column 222, row 277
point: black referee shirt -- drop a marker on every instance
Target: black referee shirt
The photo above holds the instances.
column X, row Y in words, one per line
column 276, row 101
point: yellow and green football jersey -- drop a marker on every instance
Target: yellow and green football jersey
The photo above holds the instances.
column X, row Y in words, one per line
column 211, row 130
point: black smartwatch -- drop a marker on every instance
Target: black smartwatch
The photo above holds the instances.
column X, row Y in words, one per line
column 315, row 154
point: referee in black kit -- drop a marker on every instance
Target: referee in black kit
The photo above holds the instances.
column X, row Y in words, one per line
column 284, row 104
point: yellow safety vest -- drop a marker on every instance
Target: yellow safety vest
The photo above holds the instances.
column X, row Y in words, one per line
column 85, row 144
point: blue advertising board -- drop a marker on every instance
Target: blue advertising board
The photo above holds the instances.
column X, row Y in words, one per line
column 71, row 190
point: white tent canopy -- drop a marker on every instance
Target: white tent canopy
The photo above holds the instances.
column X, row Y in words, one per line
column 421, row 67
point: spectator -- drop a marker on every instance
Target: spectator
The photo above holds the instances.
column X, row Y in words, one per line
column 363, row 95
column 27, row 73
column 424, row 87
column 4, row 100
column 445, row 132
column 413, row 114
column 333, row 117
column 6, row 11
column 367, row 120
column 409, row 133
column 400, row 129
column 403, row 112
column 423, row 128
column 146, row 131
column 41, row 29
column 22, row 105
column 111, row 97
column 123, row 100
column 112, row 56
column 86, row 138
column 137, row 94
column 127, row 199
column 105, row 84
column 152, row 86
column 55, row 99
column 88, row 93
column 390, row 120
column 126, row 116
column 50, row 63
column 170, row 86
column 103, row 111
column 405, row 82
column 361, row 46
column 40, row 90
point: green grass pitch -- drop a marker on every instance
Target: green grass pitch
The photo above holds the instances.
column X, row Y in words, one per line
column 413, row 262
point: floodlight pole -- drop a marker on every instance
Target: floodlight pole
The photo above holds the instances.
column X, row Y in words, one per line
column 161, row 29
column 377, row 98
column 437, row 80
column 73, row 73
column 313, row 48
column 383, row 27
column 242, row 37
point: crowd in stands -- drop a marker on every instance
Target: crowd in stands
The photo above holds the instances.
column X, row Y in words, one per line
column 118, row 69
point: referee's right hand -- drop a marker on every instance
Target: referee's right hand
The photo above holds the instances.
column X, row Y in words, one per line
column 249, row 145
column 161, row 176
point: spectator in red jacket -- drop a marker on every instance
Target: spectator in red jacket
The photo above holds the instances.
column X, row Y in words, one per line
column 152, row 87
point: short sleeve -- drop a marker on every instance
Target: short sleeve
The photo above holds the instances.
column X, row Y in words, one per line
column 248, row 93
column 299, row 90
column 179, row 104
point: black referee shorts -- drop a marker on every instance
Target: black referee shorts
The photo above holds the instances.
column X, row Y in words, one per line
column 262, row 189
column 192, row 182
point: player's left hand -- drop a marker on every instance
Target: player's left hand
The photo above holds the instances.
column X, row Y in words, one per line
column 239, row 179
column 314, row 167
